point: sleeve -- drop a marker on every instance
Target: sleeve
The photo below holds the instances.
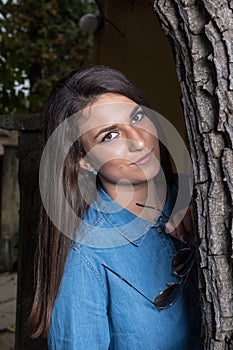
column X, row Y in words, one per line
column 79, row 319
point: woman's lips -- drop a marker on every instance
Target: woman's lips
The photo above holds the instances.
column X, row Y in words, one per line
column 145, row 159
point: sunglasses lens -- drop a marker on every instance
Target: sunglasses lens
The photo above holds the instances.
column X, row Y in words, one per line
column 183, row 261
column 168, row 296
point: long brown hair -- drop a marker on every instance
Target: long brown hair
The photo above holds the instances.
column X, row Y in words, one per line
column 69, row 96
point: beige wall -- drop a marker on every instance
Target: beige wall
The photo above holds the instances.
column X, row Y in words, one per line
column 143, row 53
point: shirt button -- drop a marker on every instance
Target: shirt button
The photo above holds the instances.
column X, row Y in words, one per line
column 160, row 230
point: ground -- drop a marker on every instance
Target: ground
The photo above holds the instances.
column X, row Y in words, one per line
column 8, row 287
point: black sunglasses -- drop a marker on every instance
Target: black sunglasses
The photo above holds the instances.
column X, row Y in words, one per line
column 182, row 264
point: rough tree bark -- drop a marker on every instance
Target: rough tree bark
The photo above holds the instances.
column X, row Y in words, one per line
column 201, row 35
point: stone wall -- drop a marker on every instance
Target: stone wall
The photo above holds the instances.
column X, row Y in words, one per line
column 9, row 209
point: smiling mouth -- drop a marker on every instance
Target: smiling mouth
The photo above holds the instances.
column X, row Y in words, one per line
column 145, row 159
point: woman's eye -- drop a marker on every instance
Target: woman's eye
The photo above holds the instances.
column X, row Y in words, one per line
column 112, row 135
column 137, row 117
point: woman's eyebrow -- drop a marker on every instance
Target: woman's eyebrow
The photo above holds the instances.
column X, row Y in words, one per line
column 135, row 109
column 114, row 126
column 108, row 128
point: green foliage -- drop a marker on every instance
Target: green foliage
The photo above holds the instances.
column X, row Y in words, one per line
column 39, row 41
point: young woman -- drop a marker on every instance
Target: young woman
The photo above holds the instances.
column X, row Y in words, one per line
column 108, row 274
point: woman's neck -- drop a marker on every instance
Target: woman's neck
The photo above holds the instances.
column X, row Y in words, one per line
column 152, row 195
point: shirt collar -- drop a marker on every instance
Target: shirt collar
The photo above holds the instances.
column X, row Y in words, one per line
column 107, row 224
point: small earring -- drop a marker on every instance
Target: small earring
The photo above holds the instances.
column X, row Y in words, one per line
column 94, row 172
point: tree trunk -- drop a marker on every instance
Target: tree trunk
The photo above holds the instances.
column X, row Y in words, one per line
column 201, row 35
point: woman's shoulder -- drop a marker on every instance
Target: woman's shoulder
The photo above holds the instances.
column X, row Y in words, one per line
column 82, row 265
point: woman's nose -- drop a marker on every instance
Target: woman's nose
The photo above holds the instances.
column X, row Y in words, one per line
column 136, row 140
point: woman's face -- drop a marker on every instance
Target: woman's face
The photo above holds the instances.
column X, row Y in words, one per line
column 120, row 141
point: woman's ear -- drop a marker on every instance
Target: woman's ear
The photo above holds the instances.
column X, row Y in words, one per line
column 85, row 164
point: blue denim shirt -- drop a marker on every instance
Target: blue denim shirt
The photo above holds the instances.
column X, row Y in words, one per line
column 95, row 309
